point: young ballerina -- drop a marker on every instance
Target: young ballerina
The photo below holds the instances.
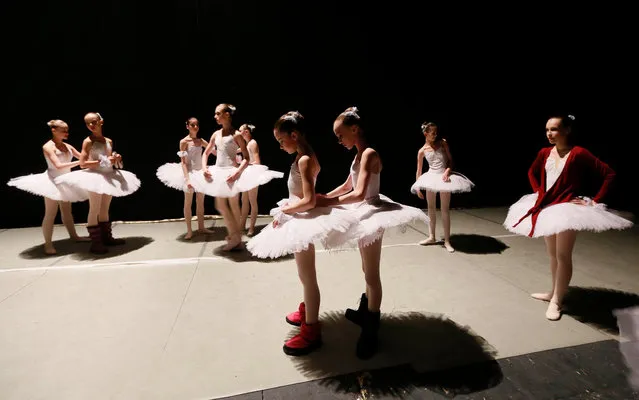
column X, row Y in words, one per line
column 58, row 156
column 556, row 210
column 103, row 178
column 226, row 179
column 439, row 178
column 249, row 199
column 178, row 176
column 375, row 213
column 296, row 226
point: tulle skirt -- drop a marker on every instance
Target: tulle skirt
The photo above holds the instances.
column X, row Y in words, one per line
column 172, row 175
column 44, row 185
column 252, row 177
column 113, row 182
column 299, row 231
column 562, row 217
column 433, row 182
column 374, row 216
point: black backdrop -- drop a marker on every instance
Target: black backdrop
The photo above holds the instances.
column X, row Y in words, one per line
column 489, row 77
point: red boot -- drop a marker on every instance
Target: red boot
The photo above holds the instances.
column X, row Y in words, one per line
column 309, row 338
column 107, row 236
column 295, row 318
column 97, row 246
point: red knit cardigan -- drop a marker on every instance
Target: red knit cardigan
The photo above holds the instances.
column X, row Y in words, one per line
column 579, row 168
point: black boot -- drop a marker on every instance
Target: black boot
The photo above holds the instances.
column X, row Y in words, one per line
column 367, row 343
column 355, row 316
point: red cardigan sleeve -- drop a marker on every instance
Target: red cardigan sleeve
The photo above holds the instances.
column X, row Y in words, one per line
column 603, row 170
column 534, row 172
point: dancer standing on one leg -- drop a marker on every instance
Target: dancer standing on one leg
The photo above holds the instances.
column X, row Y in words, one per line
column 439, row 178
column 102, row 180
column 556, row 211
column 58, row 156
column 375, row 213
column 297, row 225
column 178, row 175
column 226, row 179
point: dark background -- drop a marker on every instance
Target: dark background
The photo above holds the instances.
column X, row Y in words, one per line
column 488, row 76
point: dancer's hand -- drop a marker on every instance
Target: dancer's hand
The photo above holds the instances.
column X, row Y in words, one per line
column 446, row 178
column 581, row 202
column 117, row 157
column 207, row 175
column 420, row 194
column 189, row 185
column 233, row 177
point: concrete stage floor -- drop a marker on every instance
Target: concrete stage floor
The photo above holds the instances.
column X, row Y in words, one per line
column 164, row 318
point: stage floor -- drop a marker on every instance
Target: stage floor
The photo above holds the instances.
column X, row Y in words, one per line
column 164, row 318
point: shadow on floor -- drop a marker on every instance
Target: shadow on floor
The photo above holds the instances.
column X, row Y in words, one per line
column 218, row 234
column 595, row 306
column 477, row 244
column 423, row 351
column 240, row 254
column 63, row 247
column 133, row 243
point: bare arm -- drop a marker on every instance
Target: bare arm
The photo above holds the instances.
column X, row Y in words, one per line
column 49, row 152
column 345, row 187
column 183, row 160
column 307, row 202
column 245, row 155
column 242, row 144
column 84, row 156
column 449, row 167
column 207, row 152
column 256, row 152
column 369, row 160
column 420, row 163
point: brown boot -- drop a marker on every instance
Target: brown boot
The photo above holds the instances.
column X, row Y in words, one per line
column 107, row 236
column 97, row 246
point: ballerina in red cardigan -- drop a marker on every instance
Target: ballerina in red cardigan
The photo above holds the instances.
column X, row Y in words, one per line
column 557, row 210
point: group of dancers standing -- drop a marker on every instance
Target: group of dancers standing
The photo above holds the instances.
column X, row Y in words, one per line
column 354, row 214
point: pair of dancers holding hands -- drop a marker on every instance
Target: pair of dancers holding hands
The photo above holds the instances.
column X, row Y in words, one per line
column 100, row 178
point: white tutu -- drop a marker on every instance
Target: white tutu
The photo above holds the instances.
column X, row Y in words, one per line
column 43, row 185
column 296, row 232
column 114, row 182
column 562, row 217
column 252, row 176
column 374, row 216
column 172, row 175
column 433, row 182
